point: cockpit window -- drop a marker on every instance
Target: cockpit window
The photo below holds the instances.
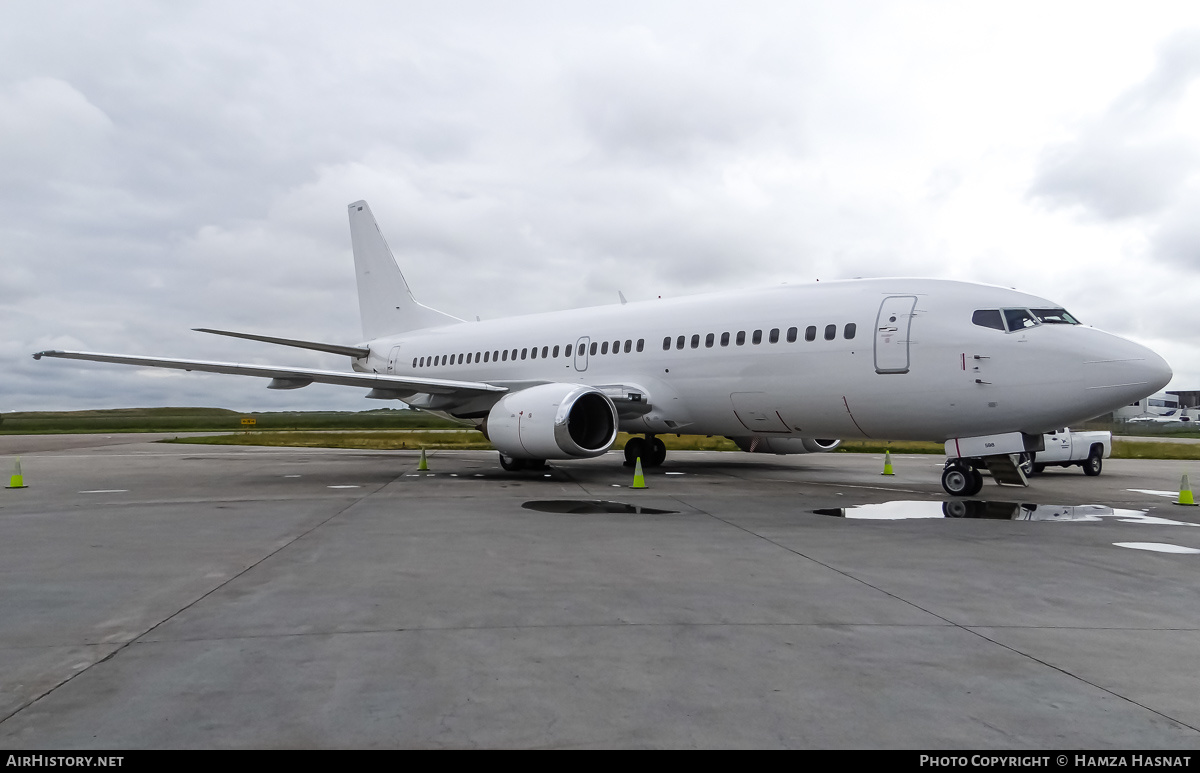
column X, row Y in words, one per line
column 1054, row 317
column 988, row 318
column 1018, row 319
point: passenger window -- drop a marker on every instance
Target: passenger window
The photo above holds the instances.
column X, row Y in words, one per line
column 460, row 358
column 988, row 318
column 533, row 353
column 641, row 344
column 666, row 343
column 523, row 353
column 810, row 333
column 1019, row 319
column 774, row 337
column 414, row 362
column 741, row 337
column 756, row 339
column 830, row 332
column 506, row 355
column 468, row 358
column 485, row 356
column 555, row 352
column 792, row 335
column 628, row 345
column 604, row 348
column 724, row 339
column 850, row 330
column 709, row 340
column 679, row 342
column 593, row 348
column 514, row 355
column 695, row 340
column 567, row 350
column 545, row 351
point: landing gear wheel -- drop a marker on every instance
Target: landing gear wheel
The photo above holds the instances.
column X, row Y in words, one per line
column 635, row 449
column 656, row 453
column 510, row 464
column 1094, row 463
column 959, row 480
column 1025, row 462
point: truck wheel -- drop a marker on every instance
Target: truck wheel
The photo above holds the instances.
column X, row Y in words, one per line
column 1094, row 463
column 1038, row 469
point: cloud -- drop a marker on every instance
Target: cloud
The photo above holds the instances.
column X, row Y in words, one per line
column 1132, row 160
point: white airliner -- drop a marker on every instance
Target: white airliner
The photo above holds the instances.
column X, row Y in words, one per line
column 785, row 370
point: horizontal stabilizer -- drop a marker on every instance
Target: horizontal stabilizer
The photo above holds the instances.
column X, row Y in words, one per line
column 291, row 377
column 349, row 351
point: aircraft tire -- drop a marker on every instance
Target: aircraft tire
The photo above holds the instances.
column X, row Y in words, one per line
column 656, row 454
column 961, row 481
column 1025, row 462
column 1094, row 463
column 510, row 464
column 636, row 447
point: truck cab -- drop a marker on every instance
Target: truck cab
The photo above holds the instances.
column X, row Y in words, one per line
column 1064, row 448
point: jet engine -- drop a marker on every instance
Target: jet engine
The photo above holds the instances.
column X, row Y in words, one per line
column 785, row 445
column 552, row 421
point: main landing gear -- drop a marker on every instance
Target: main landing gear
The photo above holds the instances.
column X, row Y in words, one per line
column 516, row 465
column 651, row 450
column 961, row 479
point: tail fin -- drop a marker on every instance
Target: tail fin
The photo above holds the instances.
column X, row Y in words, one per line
column 385, row 303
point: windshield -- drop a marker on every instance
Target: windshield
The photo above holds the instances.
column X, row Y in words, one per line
column 1054, row 317
column 1018, row 319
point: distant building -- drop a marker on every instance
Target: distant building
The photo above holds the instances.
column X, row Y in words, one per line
column 1173, row 403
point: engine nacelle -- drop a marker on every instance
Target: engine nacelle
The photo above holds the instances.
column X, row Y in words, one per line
column 553, row 421
column 785, row 445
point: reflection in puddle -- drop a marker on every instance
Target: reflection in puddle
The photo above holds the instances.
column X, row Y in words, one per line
column 1006, row 511
column 589, row 506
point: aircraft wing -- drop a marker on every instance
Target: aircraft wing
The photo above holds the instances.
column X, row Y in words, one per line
column 294, row 378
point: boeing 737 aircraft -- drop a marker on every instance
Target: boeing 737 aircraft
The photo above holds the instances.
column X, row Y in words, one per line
column 786, row 370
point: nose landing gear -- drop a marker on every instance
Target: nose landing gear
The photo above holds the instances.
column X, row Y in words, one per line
column 961, row 479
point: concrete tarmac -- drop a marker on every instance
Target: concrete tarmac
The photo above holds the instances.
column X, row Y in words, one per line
column 185, row 596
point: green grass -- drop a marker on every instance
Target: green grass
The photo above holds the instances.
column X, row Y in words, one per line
column 211, row 420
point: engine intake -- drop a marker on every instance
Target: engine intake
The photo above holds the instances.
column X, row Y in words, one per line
column 553, row 421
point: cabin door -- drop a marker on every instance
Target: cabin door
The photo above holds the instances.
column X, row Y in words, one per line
column 393, row 358
column 581, row 354
column 892, row 328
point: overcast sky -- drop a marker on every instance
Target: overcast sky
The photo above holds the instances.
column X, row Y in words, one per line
column 165, row 166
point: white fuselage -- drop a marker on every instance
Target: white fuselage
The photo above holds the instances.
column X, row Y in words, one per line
column 916, row 367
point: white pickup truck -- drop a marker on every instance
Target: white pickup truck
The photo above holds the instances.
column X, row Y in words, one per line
column 1065, row 448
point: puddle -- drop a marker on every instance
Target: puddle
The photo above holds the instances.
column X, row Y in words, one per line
column 585, row 506
column 1004, row 511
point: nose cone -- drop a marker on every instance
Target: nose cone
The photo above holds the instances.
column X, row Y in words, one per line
column 1118, row 371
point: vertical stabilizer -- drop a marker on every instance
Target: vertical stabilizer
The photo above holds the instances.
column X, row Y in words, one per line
column 385, row 303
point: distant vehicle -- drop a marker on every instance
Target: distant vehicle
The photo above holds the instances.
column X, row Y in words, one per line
column 1064, row 448
column 1170, row 417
